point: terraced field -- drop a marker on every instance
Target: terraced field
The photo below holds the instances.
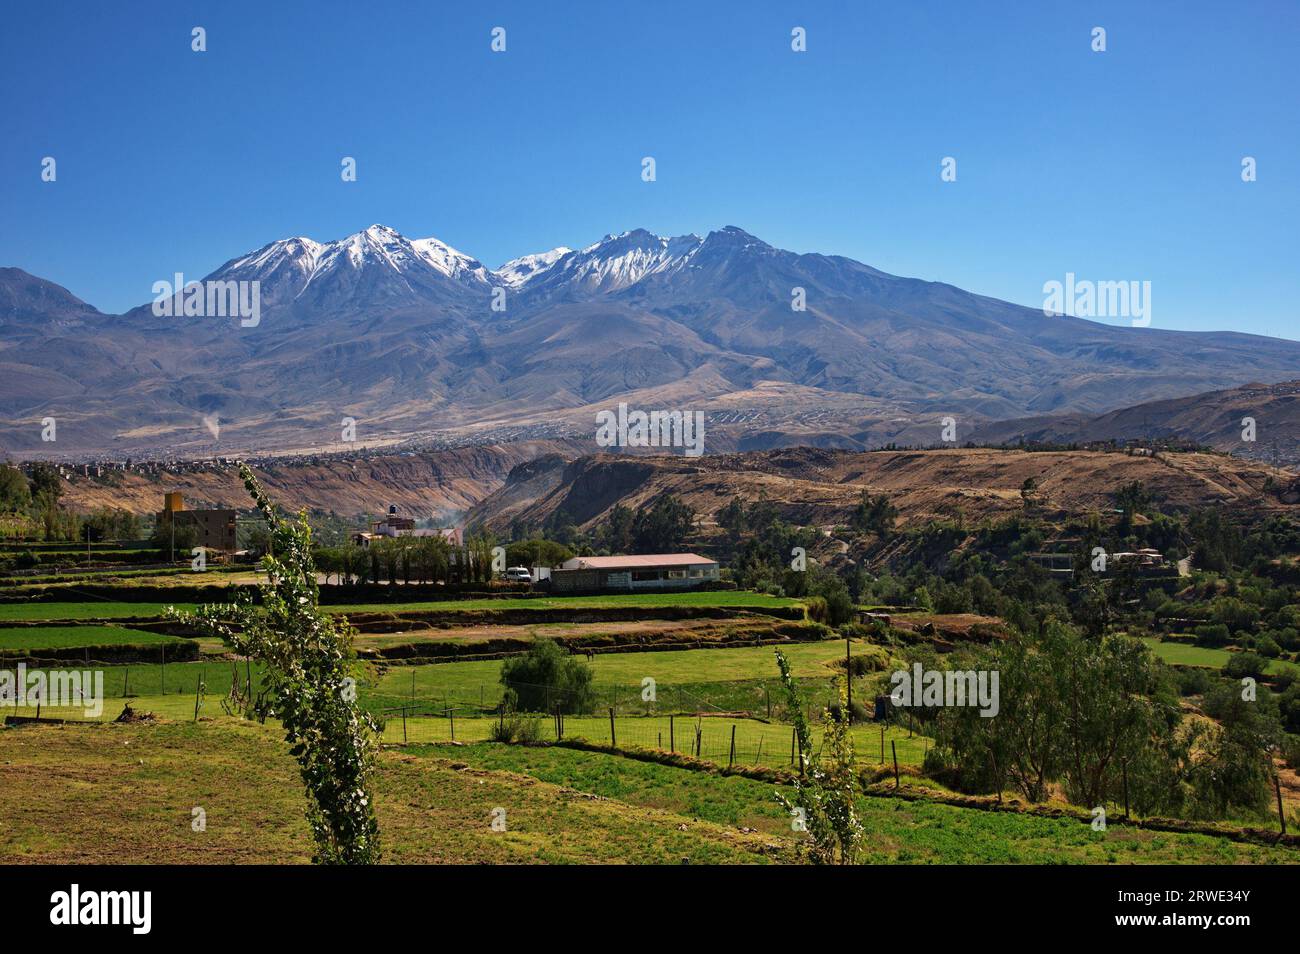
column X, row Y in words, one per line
column 127, row 793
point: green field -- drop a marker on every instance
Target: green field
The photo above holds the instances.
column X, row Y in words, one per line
column 108, row 609
column 479, row 680
column 124, row 794
column 1185, row 654
column 897, row 832
column 96, row 609
column 757, row 743
column 71, row 637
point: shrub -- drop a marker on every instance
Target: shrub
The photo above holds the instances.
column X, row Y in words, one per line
column 1215, row 634
column 516, row 728
column 545, row 677
column 818, row 611
column 1245, row 664
column 1193, row 681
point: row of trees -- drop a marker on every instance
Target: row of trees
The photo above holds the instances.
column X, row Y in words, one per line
column 408, row 560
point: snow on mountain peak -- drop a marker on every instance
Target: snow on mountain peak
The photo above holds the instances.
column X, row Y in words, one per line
column 517, row 271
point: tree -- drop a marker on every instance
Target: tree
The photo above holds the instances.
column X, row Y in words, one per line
column 826, row 790
column 839, row 604
column 662, row 528
column 545, row 677
column 537, row 552
column 732, row 516
column 15, row 495
column 875, row 515
column 307, row 653
column 617, row 534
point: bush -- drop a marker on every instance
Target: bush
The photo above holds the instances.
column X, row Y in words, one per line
column 516, row 728
column 857, row 711
column 1193, row 681
column 1245, row 664
column 818, row 611
column 547, row 676
column 1215, row 634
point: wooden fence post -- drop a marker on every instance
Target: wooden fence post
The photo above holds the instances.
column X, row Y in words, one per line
column 403, row 725
column 731, row 756
column 894, row 747
column 613, row 740
column 672, row 735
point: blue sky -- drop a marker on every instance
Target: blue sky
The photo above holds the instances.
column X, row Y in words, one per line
column 1123, row 165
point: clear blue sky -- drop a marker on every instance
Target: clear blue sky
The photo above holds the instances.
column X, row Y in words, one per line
column 1115, row 165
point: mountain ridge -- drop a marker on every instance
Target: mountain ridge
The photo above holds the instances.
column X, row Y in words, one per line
column 418, row 341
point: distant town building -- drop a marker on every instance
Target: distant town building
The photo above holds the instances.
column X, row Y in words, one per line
column 395, row 525
column 651, row 571
column 215, row 529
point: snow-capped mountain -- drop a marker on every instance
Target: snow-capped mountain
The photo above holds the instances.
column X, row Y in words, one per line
column 379, row 263
column 612, row 264
column 405, row 332
column 519, row 271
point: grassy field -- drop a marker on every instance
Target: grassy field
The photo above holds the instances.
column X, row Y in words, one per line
column 107, row 609
column 94, row 609
column 127, row 794
column 479, row 679
column 757, row 743
column 71, row 637
column 1184, row 654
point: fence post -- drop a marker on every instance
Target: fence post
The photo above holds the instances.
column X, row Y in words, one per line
column 451, row 721
column 672, row 735
column 1277, row 787
column 126, row 682
column 894, row 747
column 882, row 743
column 731, row 756
column 163, row 649
column 403, row 725
column 613, row 741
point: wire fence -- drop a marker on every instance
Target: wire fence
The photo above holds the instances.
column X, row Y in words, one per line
column 722, row 740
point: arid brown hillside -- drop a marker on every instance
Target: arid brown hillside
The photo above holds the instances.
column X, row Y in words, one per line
column 436, row 483
column 1217, row 419
column 821, row 487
